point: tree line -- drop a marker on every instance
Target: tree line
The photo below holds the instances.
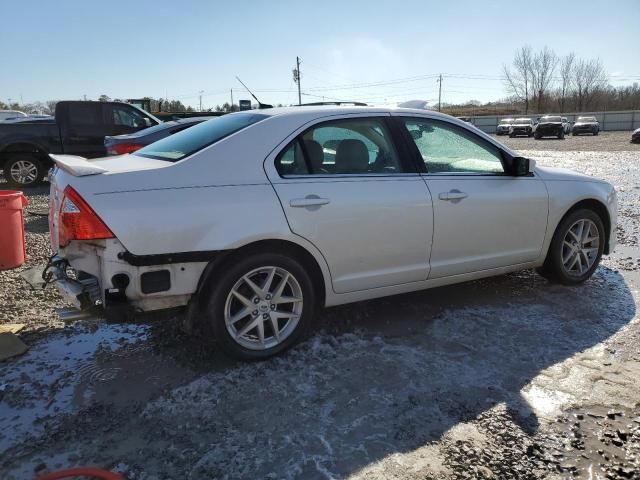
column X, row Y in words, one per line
column 544, row 81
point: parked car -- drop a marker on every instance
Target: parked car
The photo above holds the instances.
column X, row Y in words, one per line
column 11, row 115
column 521, row 126
column 586, row 125
column 566, row 125
column 504, row 126
column 249, row 221
column 120, row 144
column 635, row 136
column 549, row 126
column 78, row 128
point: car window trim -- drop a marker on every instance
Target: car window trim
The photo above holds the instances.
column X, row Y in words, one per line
column 504, row 156
column 387, row 121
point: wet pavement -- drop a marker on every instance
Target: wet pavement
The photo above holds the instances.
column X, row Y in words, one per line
column 508, row 377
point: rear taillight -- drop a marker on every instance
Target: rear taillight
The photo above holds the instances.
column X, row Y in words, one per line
column 122, row 148
column 78, row 221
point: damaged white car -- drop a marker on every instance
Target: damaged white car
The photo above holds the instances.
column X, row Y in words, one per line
column 256, row 219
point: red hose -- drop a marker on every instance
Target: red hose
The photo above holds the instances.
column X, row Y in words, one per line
column 81, row 472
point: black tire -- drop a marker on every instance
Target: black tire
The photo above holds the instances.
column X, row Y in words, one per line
column 553, row 268
column 29, row 161
column 561, row 135
column 511, row 135
column 537, row 137
column 595, row 133
column 221, row 291
column 529, row 135
column 574, row 134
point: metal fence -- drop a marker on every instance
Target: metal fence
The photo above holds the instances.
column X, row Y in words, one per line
column 609, row 121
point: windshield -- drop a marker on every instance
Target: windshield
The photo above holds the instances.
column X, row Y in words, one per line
column 550, row 119
column 522, row 120
column 586, row 119
column 189, row 141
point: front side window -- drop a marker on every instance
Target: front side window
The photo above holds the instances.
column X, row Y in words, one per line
column 189, row 141
column 341, row 147
column 124, row 117
column 448, row 149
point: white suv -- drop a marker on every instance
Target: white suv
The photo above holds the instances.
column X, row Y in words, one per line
column 255, row 219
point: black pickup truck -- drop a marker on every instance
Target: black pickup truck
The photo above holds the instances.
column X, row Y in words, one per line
column 78, row 128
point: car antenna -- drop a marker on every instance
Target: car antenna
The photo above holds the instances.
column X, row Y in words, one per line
column 260, row 104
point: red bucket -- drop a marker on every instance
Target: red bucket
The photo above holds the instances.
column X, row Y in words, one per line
column 12, row 245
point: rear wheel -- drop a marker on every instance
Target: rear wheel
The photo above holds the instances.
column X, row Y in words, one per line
column 595, row 133
column 261, row 306
column 576, row 248
column 23, row 170
column 561, row 135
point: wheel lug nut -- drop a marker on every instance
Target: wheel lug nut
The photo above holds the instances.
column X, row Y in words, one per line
column 254, row 313
column 265, row 316
column 268, row 297
column 273, row 307
column 256, row 300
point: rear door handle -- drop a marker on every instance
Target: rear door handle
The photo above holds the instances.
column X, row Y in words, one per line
column 309, row 201
column 453, row 195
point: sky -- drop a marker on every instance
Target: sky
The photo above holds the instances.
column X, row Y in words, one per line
column 130, row 49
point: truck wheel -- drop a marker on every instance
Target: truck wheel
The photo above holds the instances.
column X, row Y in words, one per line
column 595, row 133
column 23, row 170
column 261, row 306
column 561, row 135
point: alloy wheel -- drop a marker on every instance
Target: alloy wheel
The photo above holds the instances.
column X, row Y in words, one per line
column 23, row 172
column 263, row 308
column 580, row 247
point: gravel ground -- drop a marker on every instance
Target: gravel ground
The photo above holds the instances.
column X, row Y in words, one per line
column 509, row 377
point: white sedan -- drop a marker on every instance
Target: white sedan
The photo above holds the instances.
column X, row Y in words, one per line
column 255, row 219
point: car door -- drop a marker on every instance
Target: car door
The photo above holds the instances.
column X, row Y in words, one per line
column 344, row 187
column 484, row 217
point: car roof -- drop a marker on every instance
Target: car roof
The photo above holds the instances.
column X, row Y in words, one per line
column 327, row 110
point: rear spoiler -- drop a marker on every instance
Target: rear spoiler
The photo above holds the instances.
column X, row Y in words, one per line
column 76, row 165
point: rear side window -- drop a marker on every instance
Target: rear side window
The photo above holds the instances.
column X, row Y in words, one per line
column 342, row 147
column 85, row 113
column 189, row 141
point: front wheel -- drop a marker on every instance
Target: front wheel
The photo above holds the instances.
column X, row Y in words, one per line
column 561, row 135
column 23, row 170
column 576, row 248
column 595, row 133
column 261, row 306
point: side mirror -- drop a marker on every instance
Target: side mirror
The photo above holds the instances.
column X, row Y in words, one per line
column 146, row 122
column 523, row 166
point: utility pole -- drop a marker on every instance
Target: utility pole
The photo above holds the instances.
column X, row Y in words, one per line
column 201, row 92
column 232, row 99
column 85, row 97
column 296, row 78
column 439, row 91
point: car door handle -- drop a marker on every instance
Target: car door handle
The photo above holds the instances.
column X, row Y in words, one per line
column 453, row 195
column 308, row 201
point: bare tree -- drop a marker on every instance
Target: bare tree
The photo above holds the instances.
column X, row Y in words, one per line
column 566, row 77
column 518, row 80
column 543, row 64
column 589, row 77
